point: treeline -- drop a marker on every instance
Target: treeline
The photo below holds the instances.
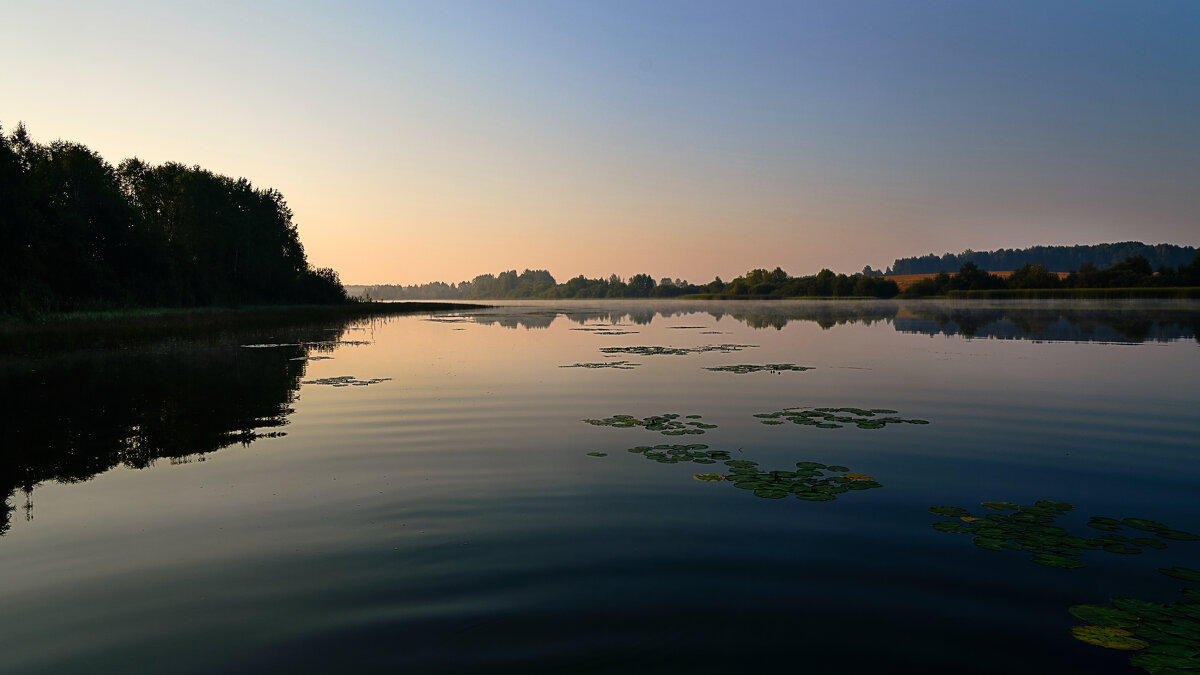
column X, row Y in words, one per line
column 539, row 284
column 78, row 233
column 1135, row 272
column 1054, row 258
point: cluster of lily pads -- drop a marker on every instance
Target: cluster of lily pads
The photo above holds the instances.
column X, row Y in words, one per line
column 808, row 481
column 1167, row 636
column 346, row 381
column 1028, row 528
column 668, row 424
column 673, row 454
column 834, row 418
column 675, row 351
column 619, row 365
column 742, row 369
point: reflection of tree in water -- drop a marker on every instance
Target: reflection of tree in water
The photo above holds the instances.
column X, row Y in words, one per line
column 71, row 417
column 1128, row 324
column 930, row 317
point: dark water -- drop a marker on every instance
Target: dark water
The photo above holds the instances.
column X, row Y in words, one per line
column 205, row 506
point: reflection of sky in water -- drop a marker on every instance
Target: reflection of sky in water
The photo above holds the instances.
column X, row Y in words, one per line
column 450, row 516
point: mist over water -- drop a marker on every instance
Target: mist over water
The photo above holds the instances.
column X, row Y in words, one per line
column 425, row 494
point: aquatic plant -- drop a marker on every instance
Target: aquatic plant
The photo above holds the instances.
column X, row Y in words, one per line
column 346, row 381
column 835, row 418
column 1166, row 635
column 673, row 454
column 742, row 369
column 1028, row 528
column 675, row 351
column 667, row 424
column 809, row 481
column 618, row 365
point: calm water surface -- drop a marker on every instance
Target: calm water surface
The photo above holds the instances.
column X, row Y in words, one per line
column 416, row 494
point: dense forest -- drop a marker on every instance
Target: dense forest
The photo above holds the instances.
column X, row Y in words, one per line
column 1053, row 258
column 79, row 233
column 539, row 284
column 1133, row 272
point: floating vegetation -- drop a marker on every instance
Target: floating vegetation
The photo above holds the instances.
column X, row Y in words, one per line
column 675, row 351
column 618, row 365
column 346, row 381
column 1029, row 529
column 1184, row 573
column 1112, row 638
column 597, row 454
column 1166, row 635
column 674, row 454
column 605, row 330
column 770, row 367
column 668, row 424
column 835, row 418
column 809, row 481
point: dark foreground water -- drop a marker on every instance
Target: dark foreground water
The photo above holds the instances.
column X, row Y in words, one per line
column 422, row 494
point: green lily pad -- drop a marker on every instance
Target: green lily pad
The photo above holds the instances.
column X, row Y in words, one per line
column 1165, row 663
column 597, row 454
column 770, row 493
column 1184, row 573
column 815, row 496
column 952, row 527
column 1177, row 535
column 709, row 477
column 770, row 367
column 1108, row 637
column 1143, row 524
column 951, row 511
column 1141, row 608
column 1105, row 615
column 999, row 506
column 1055, row 560
column 1122, row 549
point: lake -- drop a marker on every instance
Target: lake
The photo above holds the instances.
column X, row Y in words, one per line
column 612, row 487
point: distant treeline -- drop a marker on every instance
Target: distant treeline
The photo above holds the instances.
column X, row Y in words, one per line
column 77, row 233
column 1053, row 258
column 539, row 284
column 1134, row 272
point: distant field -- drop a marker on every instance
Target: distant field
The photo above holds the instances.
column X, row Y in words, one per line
column 906, row 280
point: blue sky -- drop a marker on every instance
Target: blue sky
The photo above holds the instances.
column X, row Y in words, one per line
column 438, row 140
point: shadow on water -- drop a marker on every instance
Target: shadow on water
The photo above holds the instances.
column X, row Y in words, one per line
column 72, row 416
column 1051, row 321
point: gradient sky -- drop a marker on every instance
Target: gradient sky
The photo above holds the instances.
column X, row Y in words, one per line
column 421, row 141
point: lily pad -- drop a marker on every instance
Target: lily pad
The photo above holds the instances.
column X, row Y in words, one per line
column 1108, row 637
column 952, row 511
column 597, row 454
column 743, row 369
column 1105, row 615
column 666, row 424
column 1184, row 573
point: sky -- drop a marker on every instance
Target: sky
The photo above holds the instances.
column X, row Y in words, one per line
column 423, row 141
